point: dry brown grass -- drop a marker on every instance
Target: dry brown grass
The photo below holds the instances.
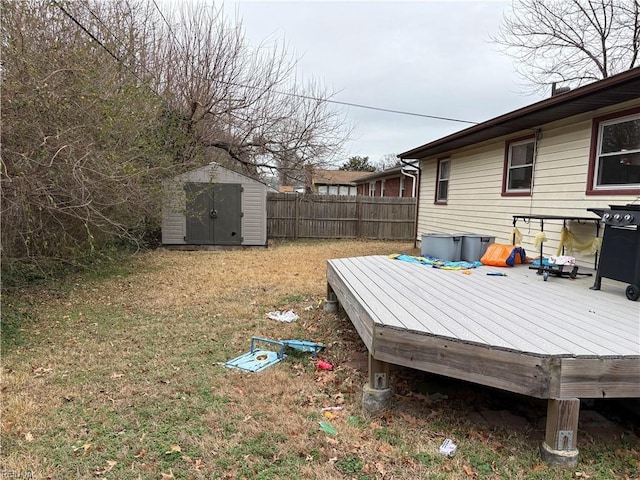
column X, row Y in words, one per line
column 128, row 369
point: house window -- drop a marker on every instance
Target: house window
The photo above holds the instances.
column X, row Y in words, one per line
column 382, row 188
column 442, row 185
column 614, row 162
column 518, row 166
column 372, row 189
column 333, row 190
column 322, row 189
column 402, row 187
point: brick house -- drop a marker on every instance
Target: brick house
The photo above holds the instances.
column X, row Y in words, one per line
column 398, row 181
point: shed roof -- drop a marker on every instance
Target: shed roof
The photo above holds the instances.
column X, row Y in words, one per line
column 604, row 93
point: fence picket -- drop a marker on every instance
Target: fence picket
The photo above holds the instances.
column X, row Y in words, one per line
column 332, row 216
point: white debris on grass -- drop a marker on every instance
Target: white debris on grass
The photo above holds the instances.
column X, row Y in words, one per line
column 448, row 448
column 283, row 316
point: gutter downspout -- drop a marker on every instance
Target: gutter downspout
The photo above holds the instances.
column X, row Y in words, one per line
column 416, row 196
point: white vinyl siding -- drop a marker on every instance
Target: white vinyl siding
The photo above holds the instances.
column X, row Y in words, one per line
column 475, row 203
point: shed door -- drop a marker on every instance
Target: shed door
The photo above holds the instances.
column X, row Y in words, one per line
column 214, row 215
column 227, row 214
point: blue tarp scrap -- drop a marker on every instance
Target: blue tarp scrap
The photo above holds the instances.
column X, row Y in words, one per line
column 435, row 262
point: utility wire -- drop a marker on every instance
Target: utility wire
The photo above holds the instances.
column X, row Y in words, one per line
column 84, row 29
column 113, row 55
column 295, row 95
column 350, row 104
column 168, row 25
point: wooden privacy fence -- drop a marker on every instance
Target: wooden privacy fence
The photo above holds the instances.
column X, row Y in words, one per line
column 331, row 216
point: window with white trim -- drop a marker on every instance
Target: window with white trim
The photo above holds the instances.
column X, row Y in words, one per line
column 372, row 189
column 382, row 187
column 442, row 185
column 617, row 157
column 519, row 166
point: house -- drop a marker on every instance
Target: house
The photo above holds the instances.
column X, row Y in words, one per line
column 399, row 181
column 559, row 156
column 213, row 205
column 334, row 182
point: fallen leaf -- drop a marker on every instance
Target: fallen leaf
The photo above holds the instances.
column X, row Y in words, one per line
column 83, row 449
column 385, row 448
column 413, row 420
column 28, row 437
column 167, row 476
column 173, row 449
column 468, row 470
column 480, row 435
column 117, row 375
column 329, row 415
column 331, row 441
column 540, row 466
column 108, row 468
column 141, row 453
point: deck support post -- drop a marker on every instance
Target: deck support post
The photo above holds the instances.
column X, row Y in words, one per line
column 330, row 305
column 376, row 393
column 560, row 442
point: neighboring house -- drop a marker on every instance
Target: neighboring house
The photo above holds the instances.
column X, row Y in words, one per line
column 334, row 182
column 213, row 205
column 559, row 156
column 398, row 181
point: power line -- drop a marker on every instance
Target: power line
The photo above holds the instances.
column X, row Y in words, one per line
column 350, row 104
column 168, row 25
column 83, row 28
column 295, row 95
column 102, row 45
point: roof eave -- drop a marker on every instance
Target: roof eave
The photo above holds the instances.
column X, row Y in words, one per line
column 607, row 92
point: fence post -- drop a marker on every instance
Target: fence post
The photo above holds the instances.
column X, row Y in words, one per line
column 359, row 216
column 296, row 217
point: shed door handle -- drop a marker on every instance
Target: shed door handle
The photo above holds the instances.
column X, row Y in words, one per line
column 213, row 214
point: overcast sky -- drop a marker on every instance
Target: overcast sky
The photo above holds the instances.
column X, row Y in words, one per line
column 427, row 57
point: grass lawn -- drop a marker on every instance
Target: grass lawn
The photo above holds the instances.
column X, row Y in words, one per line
column 120, row 375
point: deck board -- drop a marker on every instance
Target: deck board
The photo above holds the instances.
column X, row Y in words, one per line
column 519, row 312
column 559, row 321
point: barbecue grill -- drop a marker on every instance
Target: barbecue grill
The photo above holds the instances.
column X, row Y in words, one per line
column 620, row 252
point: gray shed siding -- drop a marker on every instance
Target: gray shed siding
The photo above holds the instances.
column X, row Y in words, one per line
column 254, row 204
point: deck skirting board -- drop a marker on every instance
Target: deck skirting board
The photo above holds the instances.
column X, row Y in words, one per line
column 359, row 317
column 512, row 371
column 599, row 378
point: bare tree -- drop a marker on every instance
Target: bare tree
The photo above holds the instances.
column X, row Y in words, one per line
column 571, row 41
column 101, row 100
column 388, row 160
column 243, row 100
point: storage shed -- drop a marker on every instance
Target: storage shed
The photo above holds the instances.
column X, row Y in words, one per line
column 213, row 205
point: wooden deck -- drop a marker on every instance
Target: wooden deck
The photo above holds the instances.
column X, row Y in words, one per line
column 556, row 339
